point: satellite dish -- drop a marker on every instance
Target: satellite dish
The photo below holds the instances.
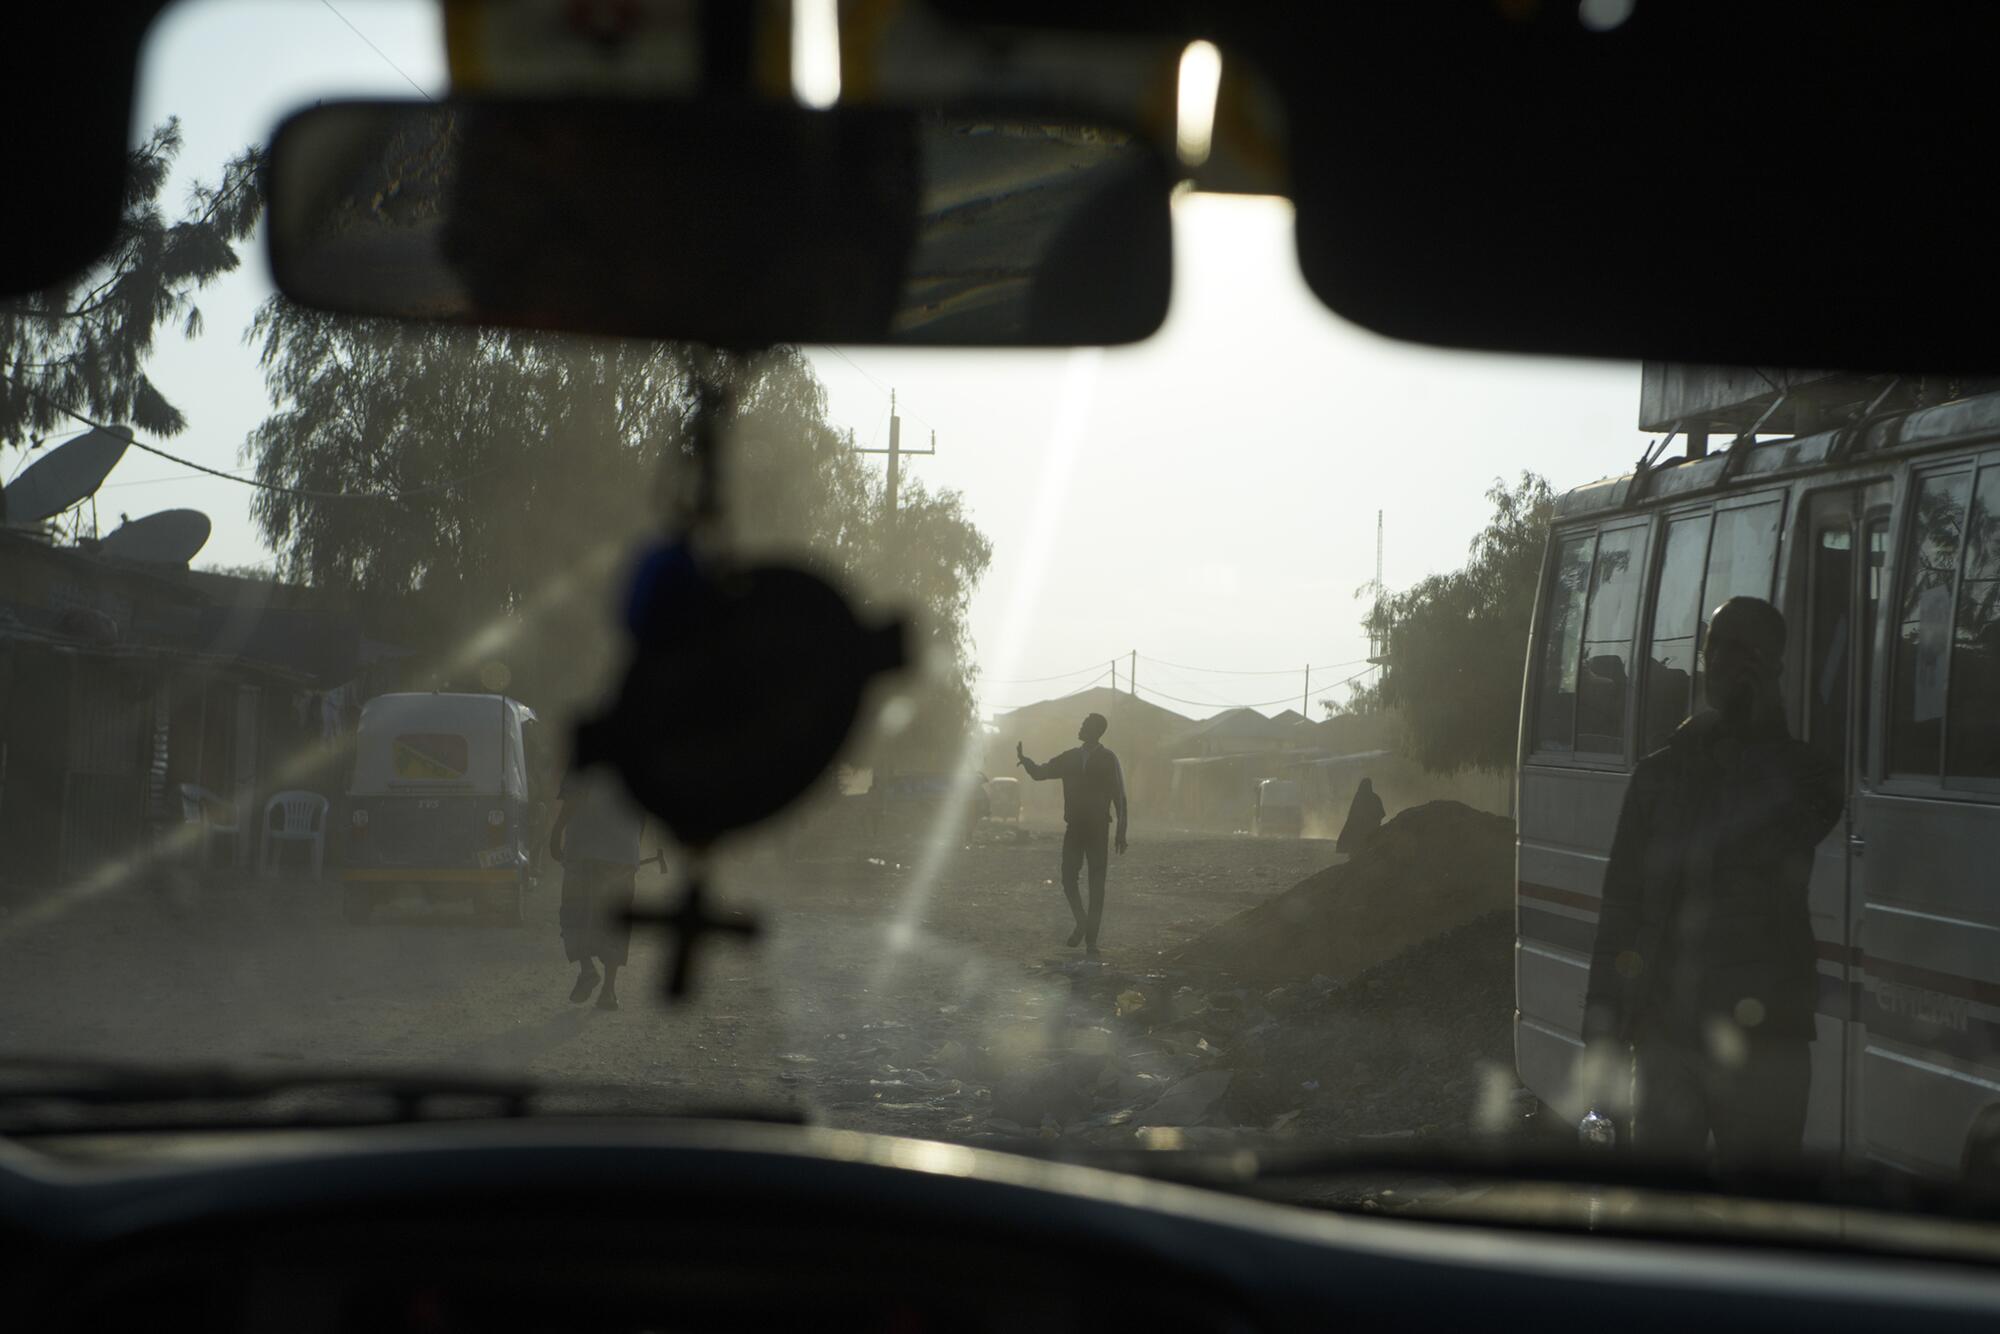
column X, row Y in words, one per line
column 70, row 472
column 170, row 537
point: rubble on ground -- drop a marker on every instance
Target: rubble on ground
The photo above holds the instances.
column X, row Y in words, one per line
column 1431, row 868
column 1418, row 1045
column 1370, row 1002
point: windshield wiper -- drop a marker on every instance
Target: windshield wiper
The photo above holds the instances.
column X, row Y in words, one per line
column 52, row 1094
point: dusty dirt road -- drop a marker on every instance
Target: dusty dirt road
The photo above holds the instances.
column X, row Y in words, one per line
column 881, row 997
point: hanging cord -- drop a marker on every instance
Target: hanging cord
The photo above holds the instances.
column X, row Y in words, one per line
column 692, row 509
column 714, row 406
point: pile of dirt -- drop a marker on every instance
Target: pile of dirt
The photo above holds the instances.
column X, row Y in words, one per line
column 1418, row 1045
column 1413, row 1045
column 1372, row 1000
column 1430, row 869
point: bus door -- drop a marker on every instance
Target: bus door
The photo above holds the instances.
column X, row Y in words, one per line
column 1926, row 826
column 1833, row 607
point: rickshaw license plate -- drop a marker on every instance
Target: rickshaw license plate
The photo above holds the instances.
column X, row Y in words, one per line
column 492, row 857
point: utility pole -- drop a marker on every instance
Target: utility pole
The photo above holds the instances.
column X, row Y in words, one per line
column 1378, row 630
column 1378, row 553
column 897, row 454
column 1132, row 676
column 1114, row 676
column 1305, row 700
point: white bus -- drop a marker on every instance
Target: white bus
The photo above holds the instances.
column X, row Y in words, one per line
column 1881, row 543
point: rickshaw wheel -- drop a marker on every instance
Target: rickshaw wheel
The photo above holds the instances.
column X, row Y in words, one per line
column 357, row 904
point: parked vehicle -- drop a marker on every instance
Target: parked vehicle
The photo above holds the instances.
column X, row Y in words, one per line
column 1878, row 544
column 440, row 802
column 1003, row 796
column 912, row 801
column 1279, row 813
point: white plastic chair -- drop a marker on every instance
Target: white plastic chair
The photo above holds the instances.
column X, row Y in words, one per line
column 304, row 822
column 212, row 815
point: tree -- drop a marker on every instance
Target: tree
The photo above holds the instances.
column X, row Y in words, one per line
column 1458, row 642
column 1364, row 699
column 82, row 346
column 492, row 485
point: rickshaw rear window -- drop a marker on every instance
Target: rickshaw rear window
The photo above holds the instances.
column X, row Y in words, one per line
column 430, row 757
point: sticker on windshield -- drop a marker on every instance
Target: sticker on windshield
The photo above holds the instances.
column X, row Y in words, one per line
column 430, row 757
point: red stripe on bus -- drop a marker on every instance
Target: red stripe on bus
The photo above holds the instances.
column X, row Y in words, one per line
column 1889, row 970
column 1568, row 898
column 1970, row 988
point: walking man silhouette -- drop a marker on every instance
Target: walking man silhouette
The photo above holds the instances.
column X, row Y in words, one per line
column 595, row 839
column 1093, row 788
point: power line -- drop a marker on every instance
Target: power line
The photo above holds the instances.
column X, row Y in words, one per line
column 1217, row 671
column 871, row 379
column 310, row 493
column 1181, row 667
column 142, row 481
column 1285, row 699
column 1263, row 704
column 1356, row 677
column 857, row 366
column 261, row 485
column 1181, row 684
column 1088, row 685
column 421, row 92
column 1038, row 680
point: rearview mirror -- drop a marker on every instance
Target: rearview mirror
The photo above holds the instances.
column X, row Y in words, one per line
column 740, row 224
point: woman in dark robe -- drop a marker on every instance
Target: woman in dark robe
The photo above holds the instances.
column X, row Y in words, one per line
column 1364, row 817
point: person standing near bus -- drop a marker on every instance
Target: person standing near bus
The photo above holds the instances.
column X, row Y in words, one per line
column 1093, row 789
column 1704, row 966
column 595, row 838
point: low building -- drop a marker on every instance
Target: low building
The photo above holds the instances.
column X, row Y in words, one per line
column 1218, row 763
column 1236, row 732
column 1141, row 733
column 123, row 687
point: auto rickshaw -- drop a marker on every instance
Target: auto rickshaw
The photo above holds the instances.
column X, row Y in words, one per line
column 1005, row 796
column 440, row 803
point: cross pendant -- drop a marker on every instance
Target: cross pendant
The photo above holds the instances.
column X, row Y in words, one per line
column 690, row 921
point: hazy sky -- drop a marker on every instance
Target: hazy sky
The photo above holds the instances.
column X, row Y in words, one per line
column 1207, row 498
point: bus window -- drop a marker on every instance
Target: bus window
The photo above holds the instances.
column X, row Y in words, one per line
column 1569, row 590
column 1924, row 625
column 1676, row 612
column 1742, row 559
column 1972, row 720
column 1871, row 604
column 1604, row 678
column 1829, row 655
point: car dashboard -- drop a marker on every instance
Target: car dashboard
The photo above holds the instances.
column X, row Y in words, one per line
column 550, row 1225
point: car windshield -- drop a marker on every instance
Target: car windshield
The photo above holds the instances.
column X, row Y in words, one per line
column 1268, row 769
